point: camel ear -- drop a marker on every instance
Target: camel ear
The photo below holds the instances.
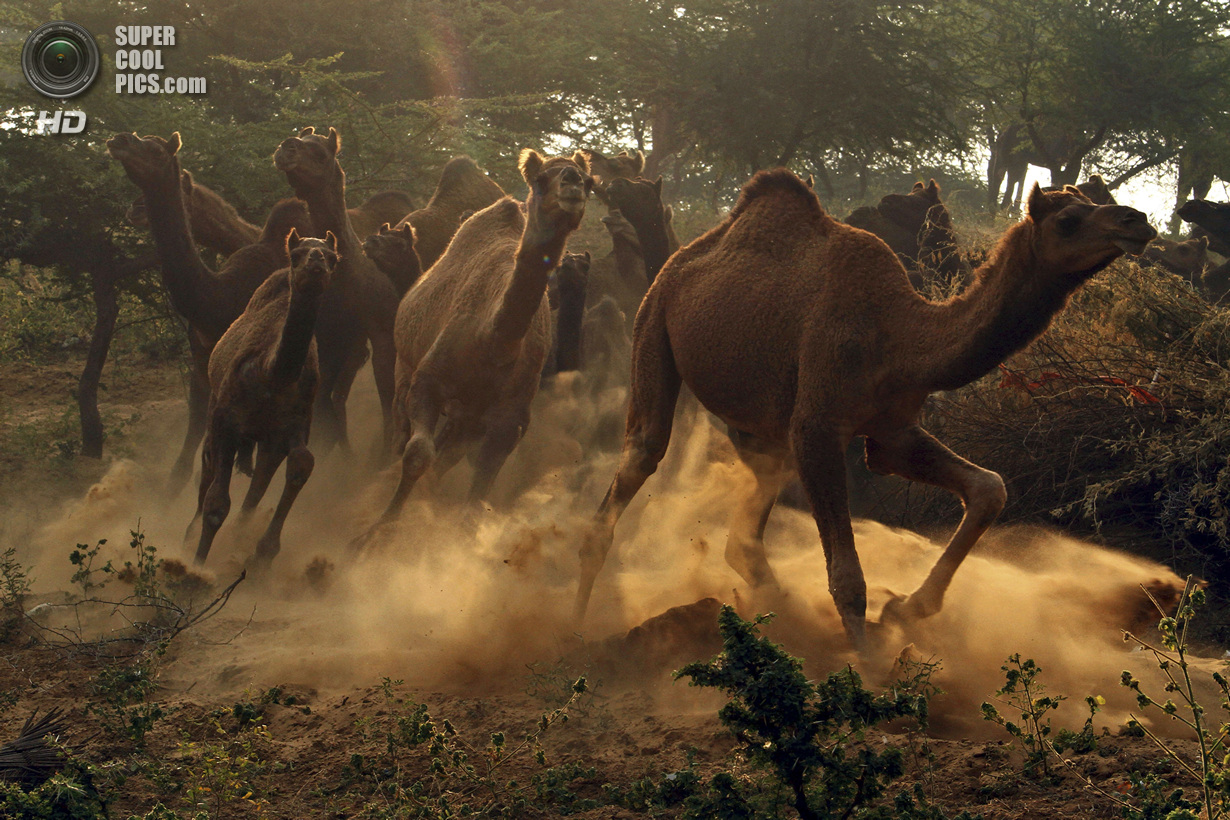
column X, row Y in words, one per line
column 335, row 141
column 530, row 165
column 1204, row 243
column 292, row 240
column 1072, row 189
column 1098, row 179
column 307, row 132
column 657, row 186
column 640, row 162
column 185, row 181
column 918, row 186
column 587, row 258
column 582, row 161
column 331, row 240
column 383, row 229
column 1037, row 207
column 409, row 232
column 175, row 143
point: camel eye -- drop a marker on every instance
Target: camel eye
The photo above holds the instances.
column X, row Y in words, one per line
column 1068, row 222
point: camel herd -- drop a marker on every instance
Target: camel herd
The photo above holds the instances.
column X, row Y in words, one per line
column 799, row 332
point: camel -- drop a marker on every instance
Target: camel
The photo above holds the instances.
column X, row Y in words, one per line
column 801, row 332
column 640, row 202
column 1213, row 217
column 462, row 187
column 1187, row 259
column 378, row 209
column 623, row 165
column 360, row 304
column 394, row 253
column 567, row 289
column 918, row 228
column 621, row 273
column 209, row 301
column 263, row 376
column 472, row 335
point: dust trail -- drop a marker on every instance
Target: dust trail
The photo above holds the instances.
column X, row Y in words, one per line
column 458, row 597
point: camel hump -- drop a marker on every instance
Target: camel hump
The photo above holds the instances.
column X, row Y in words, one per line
column 778, row 181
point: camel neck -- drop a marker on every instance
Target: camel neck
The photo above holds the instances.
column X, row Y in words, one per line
column 188, row 280
column 327, row 206
column 1010, row 303
column 629, row 260
column 296, row 339
column 569, row 355
column 655, row 246
column 538, row 253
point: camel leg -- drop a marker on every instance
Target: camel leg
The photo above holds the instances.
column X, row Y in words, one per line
column 340, row 393
column 384, row 358
column 268, row 459
column 216, row 501
column 499, row 440
column 820, row 453
column 914, row 454
column 299, row 464
column 653, row 392
column 745, row 544
column 198, row 410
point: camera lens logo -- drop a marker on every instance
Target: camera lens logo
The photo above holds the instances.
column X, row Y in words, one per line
column 60, row 59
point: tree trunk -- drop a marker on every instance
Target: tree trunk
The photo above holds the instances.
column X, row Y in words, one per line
column 106, row 310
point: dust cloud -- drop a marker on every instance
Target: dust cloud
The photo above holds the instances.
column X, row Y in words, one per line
column 453, row 597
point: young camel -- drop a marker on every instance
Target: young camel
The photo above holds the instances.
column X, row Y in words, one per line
column 394, row 252
column 800, row 332
column 263, row 376
column 360, row 304
column 472, row 335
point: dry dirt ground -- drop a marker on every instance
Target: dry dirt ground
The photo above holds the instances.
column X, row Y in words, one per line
column 467, row 613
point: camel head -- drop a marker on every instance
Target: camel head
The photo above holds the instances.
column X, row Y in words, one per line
column 621, row 166
column 1200, row 211
column 559, row 184
column 638, row 200
column 309, row 160
column 1188, row 258
column 312, row 262
column 569, row 281
column 147, row 160
column 391, row 246
column 1071, row 235
column 1097, row 190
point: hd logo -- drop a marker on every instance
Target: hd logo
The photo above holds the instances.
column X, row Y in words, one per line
column 61, row 122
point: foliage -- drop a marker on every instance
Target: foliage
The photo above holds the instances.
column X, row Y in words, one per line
column 69, row 794
column 460, row 777
column 1026, row 695
column 1211, row 771
column 14, row 585
column 800, row 732
column 229, row 771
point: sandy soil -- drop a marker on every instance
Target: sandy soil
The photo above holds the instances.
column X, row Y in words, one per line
column 470, row 611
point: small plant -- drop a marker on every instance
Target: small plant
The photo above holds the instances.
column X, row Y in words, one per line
column 460, row 778
column 123, row 707
column 1211, row 771
column 1026, row 695
column 803, row 733
column 14, row 586
column 228, row 772
column 69, row 794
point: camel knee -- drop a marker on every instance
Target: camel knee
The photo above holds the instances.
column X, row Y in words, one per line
column 985, row 497
column 418, row 455
column 299, row 465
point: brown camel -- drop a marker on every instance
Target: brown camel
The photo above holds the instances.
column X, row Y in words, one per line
column 462, row 187
column 623, row 165
column 472, row 335
column 360, row 304
column 394, row 253
column 918, row 228
column 1094, row 188
column 1213, row 217
column 263, row 376
column 1188, row 258
column 640, row 202
column 568, row 289
column 209, row 301
column 386, row 207
column 800, row 332
column 621, row 273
